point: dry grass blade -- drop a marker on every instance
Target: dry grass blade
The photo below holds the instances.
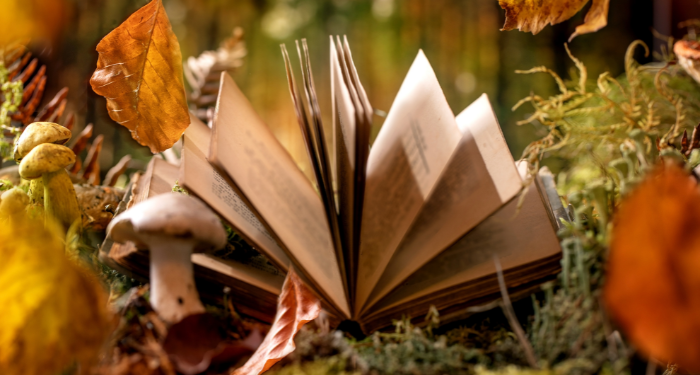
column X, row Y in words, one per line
column 27, row 72
column 55, row 117
column 91, row 172
column 116, row 171
column 29, row 89
column 25, row 113
column 78, row 147
column 296, row 306
column 48, row 111
column 139, row 72
column 17, row 66
column 82, row 140
column 69, row 121
column 512, row 319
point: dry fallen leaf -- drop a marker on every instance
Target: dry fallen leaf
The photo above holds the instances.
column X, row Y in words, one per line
column 296, row 306
column 596, row 19
column 653, row 277
column 534, row 15
column 199, row 340
column 53, row 311
column 688, row 54
column 139, row 72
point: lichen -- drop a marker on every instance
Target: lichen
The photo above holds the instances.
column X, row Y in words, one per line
column 10, row 99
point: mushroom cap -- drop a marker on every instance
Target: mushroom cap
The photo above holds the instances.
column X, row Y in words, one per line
column 45, row 158
column 37, row 133
column 688, row 49
column 169, row 215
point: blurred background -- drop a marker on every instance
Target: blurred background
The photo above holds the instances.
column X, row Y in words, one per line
column 461, row 38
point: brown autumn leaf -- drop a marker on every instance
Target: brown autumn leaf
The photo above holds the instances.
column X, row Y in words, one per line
column 296, row 306
column 139, row 72
column 535, row 15
column 653, row 277
column 199, row 341
column 688, row 54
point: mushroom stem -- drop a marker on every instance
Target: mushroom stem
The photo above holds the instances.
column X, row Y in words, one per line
column 60, row 200
column 173, row 292
column 36, row 191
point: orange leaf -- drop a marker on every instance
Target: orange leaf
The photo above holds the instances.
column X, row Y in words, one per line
column 139, row 72
column 653, row 280
column 535, row 15
column 296, row 306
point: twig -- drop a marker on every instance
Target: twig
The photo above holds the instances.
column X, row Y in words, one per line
column 512, row 319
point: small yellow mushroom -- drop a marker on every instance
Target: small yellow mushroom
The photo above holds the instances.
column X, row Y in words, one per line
column 48, row 162
column 35, row 134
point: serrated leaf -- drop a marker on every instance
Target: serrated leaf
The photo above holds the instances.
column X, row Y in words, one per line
column 296, row 306
column 139, row 72
column 535, row 15
column 53, row 311
column 653, row 278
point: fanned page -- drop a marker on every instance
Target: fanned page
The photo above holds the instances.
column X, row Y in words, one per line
column 516, row 236
column 200, row 178
column 351, row 116
column 480, row 177
column 410, row 153
column 245, row 148
column 314, row 138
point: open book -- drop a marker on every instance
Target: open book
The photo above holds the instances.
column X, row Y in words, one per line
column 379, row 232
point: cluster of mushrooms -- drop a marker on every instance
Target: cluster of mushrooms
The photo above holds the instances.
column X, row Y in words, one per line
column 172, row 225
column 95, row 202
column 43, row 159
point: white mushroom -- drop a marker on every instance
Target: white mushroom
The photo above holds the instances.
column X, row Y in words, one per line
column 172, row 226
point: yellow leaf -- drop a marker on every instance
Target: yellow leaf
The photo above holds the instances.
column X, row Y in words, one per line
column 534, row 15
column 296, row 306
column 653, row 280
column 139, row 72
column 53, row 312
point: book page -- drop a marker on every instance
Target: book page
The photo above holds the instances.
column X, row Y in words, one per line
column 466, row 193
column 345, row 128
column 516, row 237
column 343, row 108
column 480, row 120
column 245, row 148
column 201, row 179
column 267, row 281
column 321, row 152
column 410, row 153
column 355, row 79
